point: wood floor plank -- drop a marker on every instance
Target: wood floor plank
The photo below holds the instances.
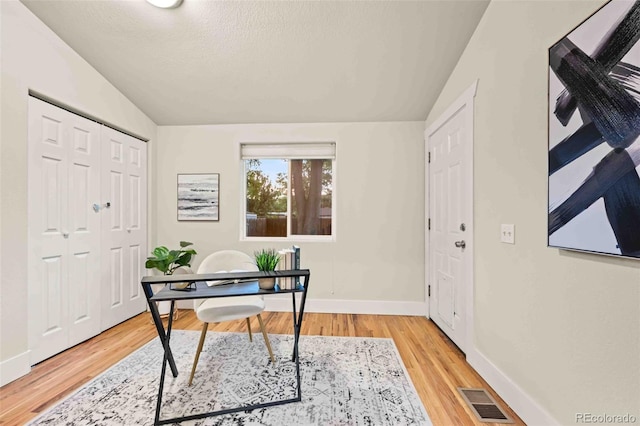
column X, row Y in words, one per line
column 433, row 362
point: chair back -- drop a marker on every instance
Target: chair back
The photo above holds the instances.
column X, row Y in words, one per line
column 225, row 260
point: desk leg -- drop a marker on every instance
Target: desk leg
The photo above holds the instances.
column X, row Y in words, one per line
column 304, row 300
column 157, row 321
column 165, row 358
column 296, row 331
column 297, row 322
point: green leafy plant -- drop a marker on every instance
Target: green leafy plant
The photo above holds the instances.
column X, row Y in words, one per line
column 167, row 261
column 266, row 259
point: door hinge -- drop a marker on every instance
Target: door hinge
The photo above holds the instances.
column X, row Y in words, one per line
column 429, row 224
column 429, row 159
column 429, row 290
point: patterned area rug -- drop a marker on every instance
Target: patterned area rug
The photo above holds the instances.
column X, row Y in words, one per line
column 345, row 381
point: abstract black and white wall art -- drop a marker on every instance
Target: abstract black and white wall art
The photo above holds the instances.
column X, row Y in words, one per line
column 594, row 129
column 198, row 196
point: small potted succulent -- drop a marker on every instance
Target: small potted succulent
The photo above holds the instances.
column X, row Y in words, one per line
column 267, row 260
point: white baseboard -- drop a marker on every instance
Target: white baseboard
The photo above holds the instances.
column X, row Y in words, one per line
column 526, row 407
column 14, row 368
column 374, row 307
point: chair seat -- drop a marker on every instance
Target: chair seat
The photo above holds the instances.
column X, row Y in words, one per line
column 228, row 309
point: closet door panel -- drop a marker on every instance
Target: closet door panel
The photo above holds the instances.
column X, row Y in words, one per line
column 114, row 241
column 136, row 221
column 124, row 226
column 84, row 229
column 48, row 229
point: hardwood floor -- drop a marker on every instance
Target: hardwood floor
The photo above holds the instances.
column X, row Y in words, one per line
column 436, row 366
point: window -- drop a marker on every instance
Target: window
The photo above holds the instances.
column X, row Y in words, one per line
column 288, row 190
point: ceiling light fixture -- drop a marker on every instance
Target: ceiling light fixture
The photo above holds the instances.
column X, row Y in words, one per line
column 166, row 4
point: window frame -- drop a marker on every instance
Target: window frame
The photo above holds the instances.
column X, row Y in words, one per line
column 243, row 199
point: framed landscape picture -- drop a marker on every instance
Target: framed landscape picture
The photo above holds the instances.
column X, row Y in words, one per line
column 594, row 129
column 198, row 196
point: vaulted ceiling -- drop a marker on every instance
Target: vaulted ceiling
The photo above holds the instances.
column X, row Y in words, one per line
column 215, row 62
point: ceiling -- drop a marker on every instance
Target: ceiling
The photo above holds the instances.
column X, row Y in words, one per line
column 219, row 62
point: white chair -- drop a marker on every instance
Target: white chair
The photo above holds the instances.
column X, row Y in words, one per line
column 228, row 308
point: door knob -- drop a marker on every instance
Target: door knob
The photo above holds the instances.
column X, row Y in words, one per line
column 460, row 244
column 65, row 235
column 97, row 207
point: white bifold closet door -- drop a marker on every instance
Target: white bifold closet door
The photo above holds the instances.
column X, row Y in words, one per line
column 67, row 266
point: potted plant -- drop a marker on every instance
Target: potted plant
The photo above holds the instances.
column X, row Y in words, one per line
column 170, row 261
column 266, row 260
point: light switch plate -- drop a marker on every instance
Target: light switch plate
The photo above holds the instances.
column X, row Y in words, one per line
column 508, row 233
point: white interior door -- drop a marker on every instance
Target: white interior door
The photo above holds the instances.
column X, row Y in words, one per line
column 124, row 189
column 64, row 231
column 450, row 195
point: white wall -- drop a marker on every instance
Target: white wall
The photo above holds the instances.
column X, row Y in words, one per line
column 33, row 57
column 563, row 327
column 379, row 250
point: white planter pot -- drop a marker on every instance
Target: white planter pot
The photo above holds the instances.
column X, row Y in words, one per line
column 267, row 283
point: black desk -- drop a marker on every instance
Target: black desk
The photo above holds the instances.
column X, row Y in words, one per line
column 244, row 288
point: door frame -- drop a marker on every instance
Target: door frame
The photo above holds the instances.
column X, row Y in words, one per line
column 465, row 101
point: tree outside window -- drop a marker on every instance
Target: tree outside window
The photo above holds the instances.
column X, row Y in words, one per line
column 272, row 210
column 311, row 195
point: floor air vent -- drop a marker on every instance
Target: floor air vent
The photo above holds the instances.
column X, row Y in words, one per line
column 484, row 406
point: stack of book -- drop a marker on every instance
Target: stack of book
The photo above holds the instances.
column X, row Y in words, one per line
column 289, row 260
